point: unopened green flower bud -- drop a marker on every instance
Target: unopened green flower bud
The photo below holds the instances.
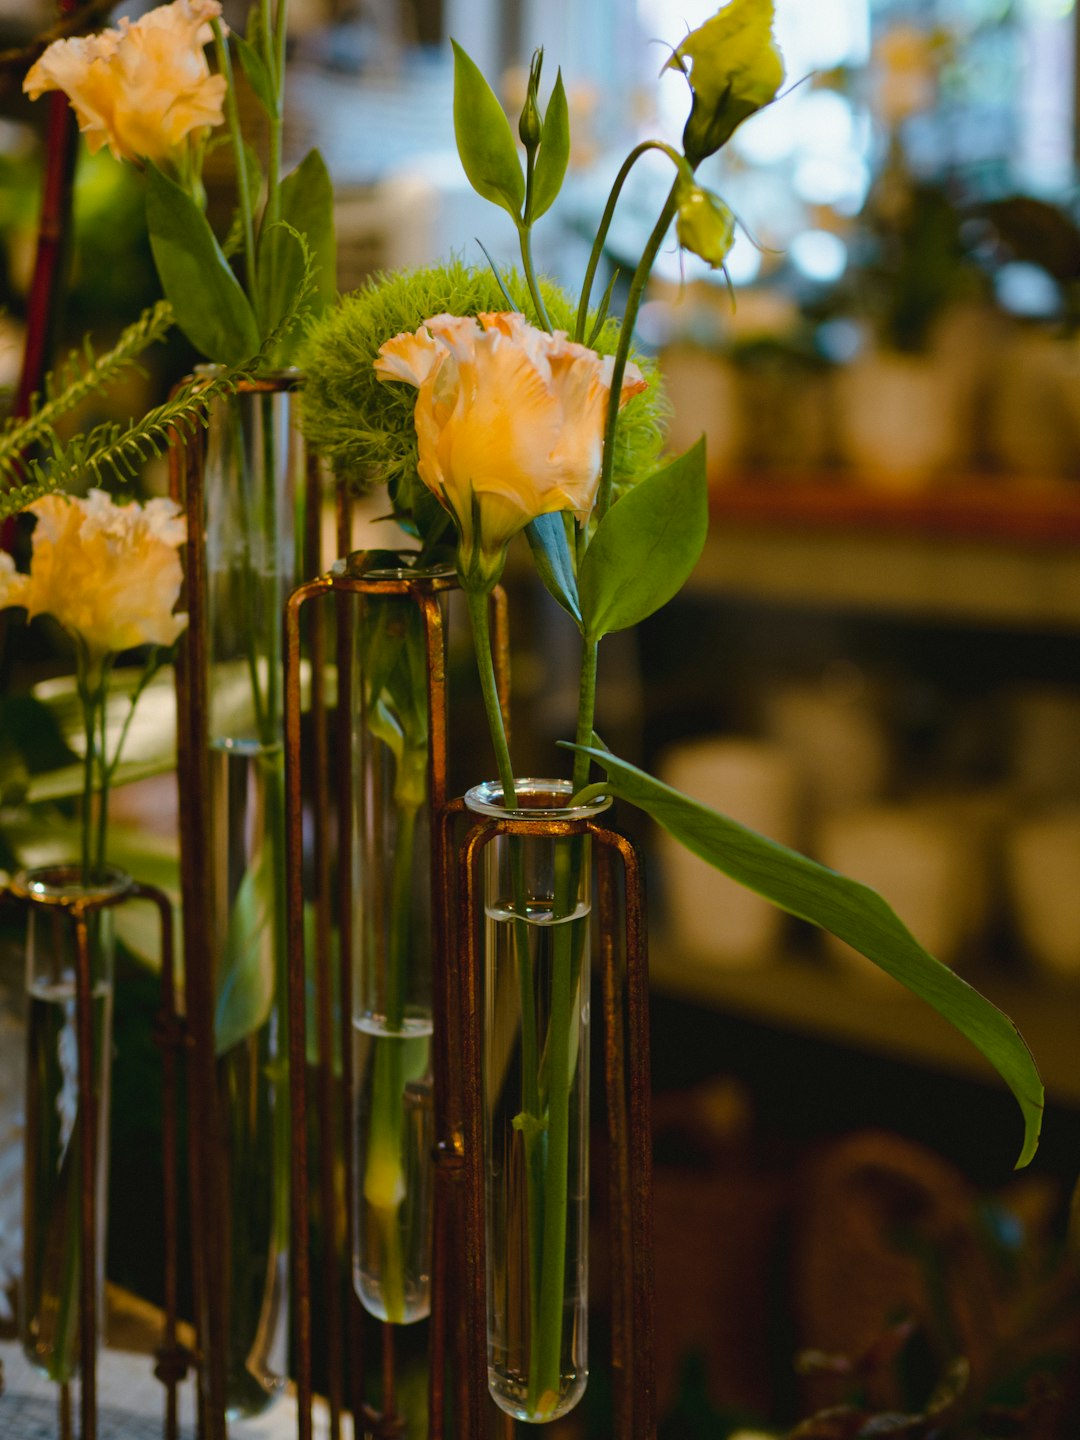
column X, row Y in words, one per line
column 734, row 68
column 704, row 225
column 531, row 124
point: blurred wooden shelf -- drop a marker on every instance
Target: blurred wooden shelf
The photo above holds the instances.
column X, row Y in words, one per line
column 985, row 551
column 807, row 995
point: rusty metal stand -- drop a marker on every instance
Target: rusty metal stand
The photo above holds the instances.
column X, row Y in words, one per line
column 187, row 456
column 626, row 1070
column 173, row 1358
column 347, row 579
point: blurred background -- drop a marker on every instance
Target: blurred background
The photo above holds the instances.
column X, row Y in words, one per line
column 878, row 659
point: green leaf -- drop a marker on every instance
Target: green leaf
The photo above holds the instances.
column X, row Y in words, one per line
column 645, row 546
column 246, row 976
column 850, row 910
column 554, row 562
column 554, row 154
column 209, row 304
column 259, row 78
column 485, row 141
column 307, row 206
column 253, row 165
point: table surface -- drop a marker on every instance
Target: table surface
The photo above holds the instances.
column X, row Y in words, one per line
column 130, row 1404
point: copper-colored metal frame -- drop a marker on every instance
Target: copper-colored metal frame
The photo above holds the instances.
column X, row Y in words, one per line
column 206, row 1158
column 170, row 1035
column 426, row 591
column 626, row 1071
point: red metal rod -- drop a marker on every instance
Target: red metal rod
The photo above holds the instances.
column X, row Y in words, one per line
column 640, row 1132
column 622, row 1255
column 297, row 1000
column 345, row 624
column 474, row 1297
column 206, row 1156
column 88, row 1298
column 171, row 1036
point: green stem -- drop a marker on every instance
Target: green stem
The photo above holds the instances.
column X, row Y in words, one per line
column 622, row 353
column 481, row 628
column 103, row 779
column 87, row 699
column 274, row 36
column 64, row 1362
column 586, row 711
column 525, row 238
column 232, row 115
column 384, row 1176
column 605, row 225
column 272, row 716
column 545, row 1371
column 400, row 917
column 274, row 788
column 532, row 1131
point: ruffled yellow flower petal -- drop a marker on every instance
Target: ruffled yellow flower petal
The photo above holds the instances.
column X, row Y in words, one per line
column 144, row 89
column 109, row 574
column 509, row 423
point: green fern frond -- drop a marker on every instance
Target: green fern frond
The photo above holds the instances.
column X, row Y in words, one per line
column 118, row 451
column 12, row 501
column 83, row 373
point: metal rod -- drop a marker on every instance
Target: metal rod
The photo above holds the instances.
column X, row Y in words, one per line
column 468, row 1036
column 622, row 1256
column 328, row 1128
column 170, row 1034
column 640, row 1137
column 447, row 1281
column 88, row 1297
column 297, row 999
column 345, row 625
column 186, row 456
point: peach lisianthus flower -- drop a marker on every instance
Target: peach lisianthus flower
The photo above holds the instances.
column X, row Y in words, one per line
column 509, row 424
column 145, row 89
column 109, row 574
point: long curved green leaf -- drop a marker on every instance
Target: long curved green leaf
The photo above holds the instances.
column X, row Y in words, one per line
column 850, row 910
column 485, row 141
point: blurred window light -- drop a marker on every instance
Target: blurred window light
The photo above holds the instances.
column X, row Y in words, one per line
column 1027, row 290
column 819, row 255
column 823, row 35
column 841, row 182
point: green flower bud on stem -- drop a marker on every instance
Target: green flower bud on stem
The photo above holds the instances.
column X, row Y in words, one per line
column 531, row 124
column 734, row 69
column 703, row 224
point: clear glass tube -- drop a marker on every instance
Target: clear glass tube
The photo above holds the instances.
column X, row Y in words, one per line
column 52, row 1233
column 253, row 461
column 537, row 902
column 392, row 1021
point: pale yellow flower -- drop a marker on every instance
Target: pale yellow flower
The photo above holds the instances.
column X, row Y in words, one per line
column 145, row 89
column 510, row 424
column 110, row 574
column 734, row 67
